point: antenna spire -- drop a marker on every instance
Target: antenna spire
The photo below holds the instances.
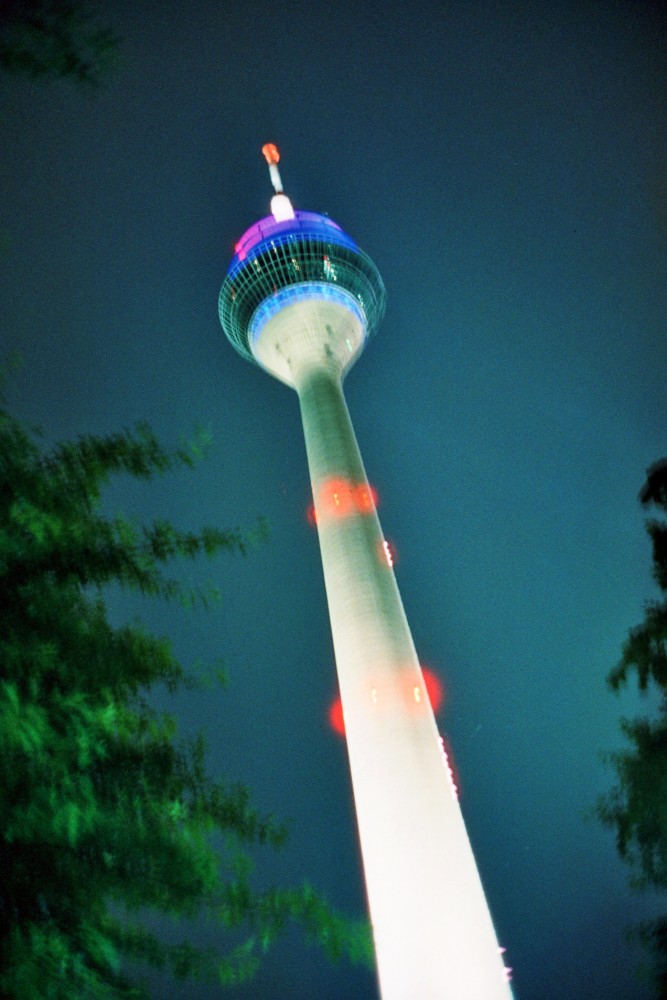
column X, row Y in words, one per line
column 281, row 206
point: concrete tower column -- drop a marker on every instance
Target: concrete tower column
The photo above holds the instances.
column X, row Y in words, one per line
column 301, row 299
column 432, row 931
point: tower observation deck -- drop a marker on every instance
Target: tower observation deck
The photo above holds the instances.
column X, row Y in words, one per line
column 306, row 274
column 301, row 299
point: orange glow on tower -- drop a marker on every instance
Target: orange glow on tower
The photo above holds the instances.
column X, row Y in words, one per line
column 336, row 717
column 433, row 689
column 339, row 498
column 412, row 694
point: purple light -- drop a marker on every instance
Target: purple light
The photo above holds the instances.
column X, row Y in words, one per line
column 303, row 224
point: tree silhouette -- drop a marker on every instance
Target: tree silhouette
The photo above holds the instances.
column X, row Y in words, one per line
column 636, row 808
column 107, row 815
column 55, row 38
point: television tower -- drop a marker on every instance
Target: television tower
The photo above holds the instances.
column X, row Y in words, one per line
column 300, row 300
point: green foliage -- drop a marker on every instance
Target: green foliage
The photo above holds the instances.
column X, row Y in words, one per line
column 106, row 814
column 55, row 38
column 636, row 808
column 653, row 936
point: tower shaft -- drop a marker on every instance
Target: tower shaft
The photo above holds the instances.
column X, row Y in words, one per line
column 301, row 300
column 433, row 934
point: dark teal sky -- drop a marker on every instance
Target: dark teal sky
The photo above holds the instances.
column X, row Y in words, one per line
column 505, row 165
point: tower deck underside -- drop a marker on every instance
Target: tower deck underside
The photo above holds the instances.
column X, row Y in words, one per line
column 307, row 326
column 310, row 250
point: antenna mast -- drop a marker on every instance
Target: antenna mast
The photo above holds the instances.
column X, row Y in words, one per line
column 281, row 206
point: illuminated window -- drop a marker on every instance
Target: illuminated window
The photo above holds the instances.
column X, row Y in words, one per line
column 329, row 270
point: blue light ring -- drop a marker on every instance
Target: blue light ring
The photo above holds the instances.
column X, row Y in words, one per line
column 307, row 290
column 260, row 279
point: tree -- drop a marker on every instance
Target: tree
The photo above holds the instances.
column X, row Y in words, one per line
column 637, row 806
column 106, row 813
column 55, row 38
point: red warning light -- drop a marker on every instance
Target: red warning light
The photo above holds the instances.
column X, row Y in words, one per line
column 366, row 499
column 336, row 498
column 271, row 154
column 433, row 691
column 336, row 718
column 339, row 498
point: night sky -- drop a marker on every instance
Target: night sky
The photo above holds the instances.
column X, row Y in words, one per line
column 505, row 166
